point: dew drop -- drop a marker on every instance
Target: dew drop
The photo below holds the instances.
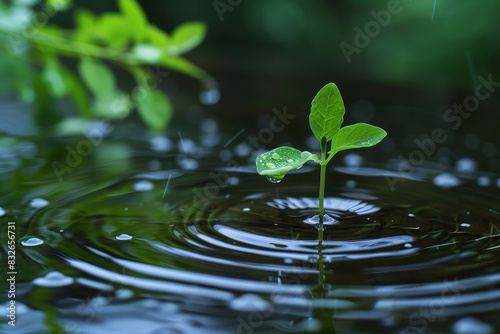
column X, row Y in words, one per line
column 270, row 165
column 275, row 156
column 273, row 179
column 264, row 158
column 290, row 161
column 31, row 242
column 123, row 237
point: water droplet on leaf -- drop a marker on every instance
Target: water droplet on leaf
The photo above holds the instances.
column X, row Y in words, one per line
column 275, row 156
column 270, row 165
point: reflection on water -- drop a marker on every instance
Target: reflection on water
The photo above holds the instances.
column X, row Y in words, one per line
column 170, row 250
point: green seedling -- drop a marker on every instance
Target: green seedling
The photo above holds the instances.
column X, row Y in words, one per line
column 325, row 119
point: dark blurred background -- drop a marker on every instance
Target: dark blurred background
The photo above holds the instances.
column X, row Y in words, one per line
column 271, row 54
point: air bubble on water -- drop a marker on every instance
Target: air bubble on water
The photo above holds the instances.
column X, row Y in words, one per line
column 143, row 186
column 483, row 181
column 466, row 165
column 353, row 160
column 465, row 225
column 31, row 242
column 2, row 211
column 123, row 237
column 53, row 280
column 470, row 325
column 249, row 302
column 38, row 203
column 275, row 156
column 411, row 215
column 246, row 209
column 270, row 165
column 327, row 220
column 160, row 144
column 446, row 180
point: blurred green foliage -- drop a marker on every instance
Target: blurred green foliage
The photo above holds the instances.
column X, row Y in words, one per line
column 38, row 58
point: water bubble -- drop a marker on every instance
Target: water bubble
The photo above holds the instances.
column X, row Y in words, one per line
column 249, row 302
column 123, row 237
column 143, row 186
column 446, row 180
column 53, row 280
column 2, row 211
column 38, row 203
column 469, row 325
column 275, row 156
column 353, row 160
column 483, row 181
column 466, row 165
column 31, row 242
column 160, row 144
column 270, row 165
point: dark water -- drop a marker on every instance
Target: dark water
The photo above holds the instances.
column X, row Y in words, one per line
column 112, row 248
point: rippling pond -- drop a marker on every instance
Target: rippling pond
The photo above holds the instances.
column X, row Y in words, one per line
column 146, row 238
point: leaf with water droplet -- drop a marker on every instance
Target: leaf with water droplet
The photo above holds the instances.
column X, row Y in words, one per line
column 357, row 136
column 284, row 159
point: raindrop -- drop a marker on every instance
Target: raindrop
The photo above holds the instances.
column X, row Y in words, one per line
column 143, row 186
column 31, row 242
column 53, row 280
column 446, row 180
column 123, row 237
column 38, row 203
column 275, row 156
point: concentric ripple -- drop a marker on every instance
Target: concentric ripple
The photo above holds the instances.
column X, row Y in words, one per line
column 246, row 250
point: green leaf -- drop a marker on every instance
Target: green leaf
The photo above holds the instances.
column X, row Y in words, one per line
column 78, row 93
column 157, row 37
column 114, row 30
column 327, row 112
column 97, row 76
column 186, row 37
column 136, row 18
column 276, row 163
column 357, row 136
column 114, row 106
column 59, row 5
column 155, row 108
column 54, row 78
column 183, row 66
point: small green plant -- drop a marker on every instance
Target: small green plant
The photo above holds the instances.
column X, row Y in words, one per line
column 327, row 114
